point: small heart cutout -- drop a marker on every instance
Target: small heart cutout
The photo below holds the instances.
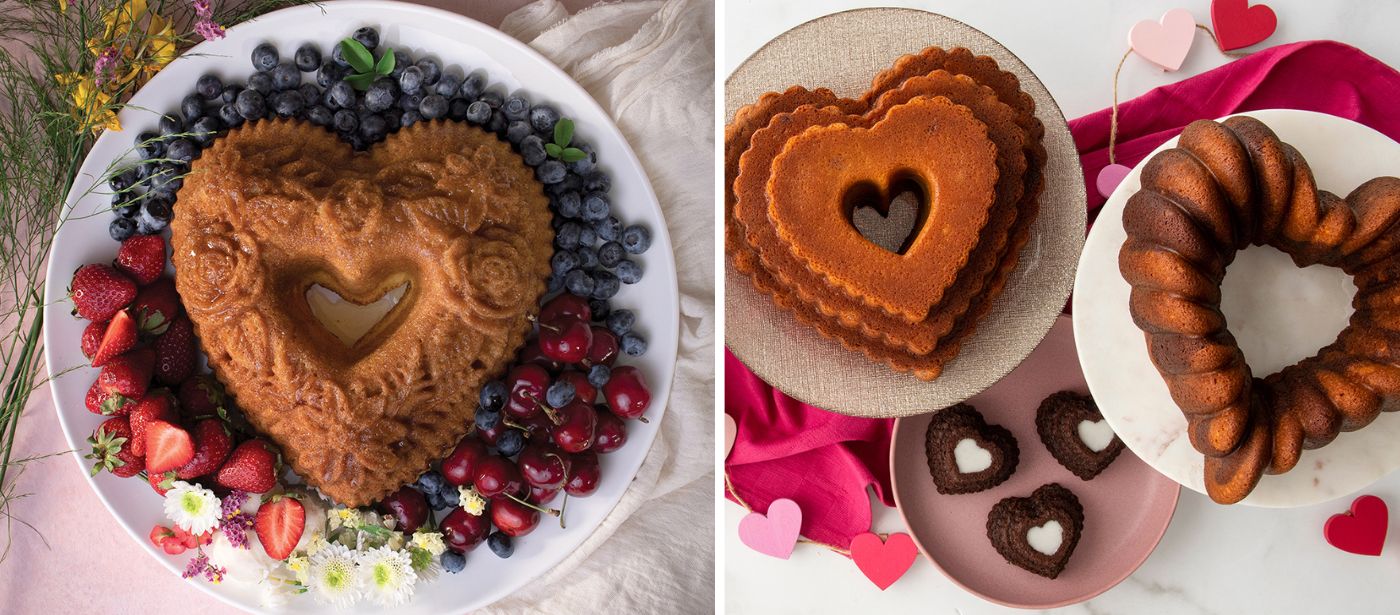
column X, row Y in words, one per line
column 1362, row 529
column 1239, row 25
column 883, row 562
column 1076, row 434
column 1109, row 178
column 773, row 534
column 1046, row 538
column 893, row 229
column 731, row 431
column 1164, row 43
column 1039, row 532
column 345, row 319
column 1096, row 435
column 967, row 455
column 971, row 458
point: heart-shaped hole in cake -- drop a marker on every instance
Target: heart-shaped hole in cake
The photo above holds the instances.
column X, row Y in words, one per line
column 347, row 320
column 1096, row 435
column 1047, row 538
column 890, row 217
column 971, row 457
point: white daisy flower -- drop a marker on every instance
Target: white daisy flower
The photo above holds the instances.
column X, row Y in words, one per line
column 387, row 576
column 471, row 501
column 316, row 543
column 333, row 576
column 395, row 541
column 193, row 508
column 430, row 542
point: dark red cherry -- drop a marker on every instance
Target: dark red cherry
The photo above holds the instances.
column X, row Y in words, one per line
column 543, row 495
column 611, row 432
column 496, row 475
column 604, row 348
column 627, row 393
column 531, row 353
column 459, row 468
column 582, row 389
column 463, row 531
column 543, row 467
column 576, row 428
column 566, row 305
column 584, row 474
column 539, row 427
column 513, row 518
column 408, row 507
column 566, row 340
column 527, row 384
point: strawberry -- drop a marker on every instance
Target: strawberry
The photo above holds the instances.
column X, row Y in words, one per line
column 158, row 405
column 201, row 395
column 111, row 449
column 155, row 306
column 92, row 337
column 212, row 443
column 98, row 291
column 166, row 539
column 142, row 257
column 175, row 352
column 101, row 403
column 119, row 337
column 128, row 375
column 167, row 447
column 279, row 523
column 189, row 540
column 252, row 467
column 161, row 481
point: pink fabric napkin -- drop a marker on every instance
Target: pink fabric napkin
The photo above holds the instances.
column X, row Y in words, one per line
column 825, row 461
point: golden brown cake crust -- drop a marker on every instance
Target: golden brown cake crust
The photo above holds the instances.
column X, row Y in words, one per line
column 280, row 205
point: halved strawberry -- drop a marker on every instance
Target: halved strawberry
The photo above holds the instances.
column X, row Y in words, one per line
column 161, row 481
column 191, row 540
column 142, row 257
column 92, row 337
column 175, row 352
column 128, row 375
column 119, row 337
column 165, row 538
column 212, row 443
column 157, row 405
column 111, row 448
column 155, row 306
column 167, row 447
column 252, row 467
column 98, row 291
column 279, row 523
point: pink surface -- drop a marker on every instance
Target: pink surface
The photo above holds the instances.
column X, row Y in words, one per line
column 1126, row 508
column 774, row 533
column 75, row 556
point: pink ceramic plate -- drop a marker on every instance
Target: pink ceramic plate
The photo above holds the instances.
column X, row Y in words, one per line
column 1126, row 508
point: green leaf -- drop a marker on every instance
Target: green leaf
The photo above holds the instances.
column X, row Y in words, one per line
column 553, row 150
column 359, row 58
column 572, row 154
column 386, row 63
column 361, row 81
column 563, row 132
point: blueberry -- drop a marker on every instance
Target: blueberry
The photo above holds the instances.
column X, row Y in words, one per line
column 599, row 374
column 579, row 283
column 435, row 501
column 567, row 236
column 341, row 95
column 411, row 117
column 309, row 93
column 180, row 149
column 205, row 130
column 155, row 215
column 285, row 76
column 251, row 105
column 401, row 61
column 586, row 236
column 563, row 261
column 551, row 172
column 229, row 115
column 516, row 108
column 380, row 95
column 447, row 85
column 262, row 82
column 367, row 36
column 543, row 118
column 338, row 56
column 431, row 70
column 634, row 345
column 150, row 145
column 168, row 178
column 472, row 86
column 410, row 101
column 487, row 419
column 492, row 98
column 570, row 205
column 345, row 120
column 457, row 110
column 596, row 207
column 559, row 394
column 636, row 239
column 500, row 544
column 430, row 482
column 433, row 107
column 493, row 395
column 127, row 205
column 583, row 165
column 393, row 119
column 587, row 257
column 498, row 123
column 171, row 124
column 121, row 228
column 531, row 149
column 517, row 131
column 192, row 107
column 554, row 284
column 121, row 181
column 510, row 442
column 320, row 116
column 265, row 57
column 571, row 182
column 331, row 72
column 478, row 112
column 307, row 57
column 620, row 322
column 451, row 497
column 411, row 80
column 230, row 94
column 600, row 308
column 597, row 181
column 288, row 103
column 605, row 285
column 629, row 272
column 374, row 127
column 209, row 86
column 610, row 254
column 453, row 561
column 608, row 229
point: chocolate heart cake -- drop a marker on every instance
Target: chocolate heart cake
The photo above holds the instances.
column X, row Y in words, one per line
column 1076, row 434
column 278, row 206
column 1037, row 533
column 967, row 455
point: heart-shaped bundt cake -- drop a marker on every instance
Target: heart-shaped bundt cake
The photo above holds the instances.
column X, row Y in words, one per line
column 278, row 206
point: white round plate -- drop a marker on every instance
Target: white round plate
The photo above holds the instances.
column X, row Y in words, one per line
column 1279, row 313
column 456, row 41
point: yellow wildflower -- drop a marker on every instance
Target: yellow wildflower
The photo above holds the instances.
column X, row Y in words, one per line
column 161, row 44
column 91, row 106
column 429, row 541
column 299, row 564
column 117, row 25
column 63, row 6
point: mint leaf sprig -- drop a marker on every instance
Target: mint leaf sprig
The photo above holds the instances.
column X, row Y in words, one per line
column 364, row 64
column 563, row 135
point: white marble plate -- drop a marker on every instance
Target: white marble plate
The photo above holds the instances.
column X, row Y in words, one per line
column 1279, row 313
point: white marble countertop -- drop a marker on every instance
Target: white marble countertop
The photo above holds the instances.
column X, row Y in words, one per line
column 1213, row 559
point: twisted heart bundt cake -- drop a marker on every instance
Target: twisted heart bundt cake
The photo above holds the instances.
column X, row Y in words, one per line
column 909, row 310
column 1224, row 187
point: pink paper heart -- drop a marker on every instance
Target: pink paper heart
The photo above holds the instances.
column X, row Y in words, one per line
column 1109, row 178
column 883, row 562
column 1239, row 25
column 731, row 431
column 773, row 534
column 1166, row 43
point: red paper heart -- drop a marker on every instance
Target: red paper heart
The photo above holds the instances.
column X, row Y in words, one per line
column 883, row 562
column 1362, row 530
column 1239, row 25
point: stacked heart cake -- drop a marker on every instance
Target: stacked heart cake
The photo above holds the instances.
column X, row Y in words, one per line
column 951, row 128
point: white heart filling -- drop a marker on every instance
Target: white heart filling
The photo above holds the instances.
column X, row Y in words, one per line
column 1046, row 538
column 970, row 457
column 1096, row 435
column 345, row 320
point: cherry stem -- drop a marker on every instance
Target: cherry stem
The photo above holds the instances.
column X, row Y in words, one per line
column 548, row 411
column 562, row 507
column 643, row 419
column 546, row 327
column 514, row 425
column 548, row 511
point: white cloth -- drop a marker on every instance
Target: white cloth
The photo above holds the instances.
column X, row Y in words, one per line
column 651, row 65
